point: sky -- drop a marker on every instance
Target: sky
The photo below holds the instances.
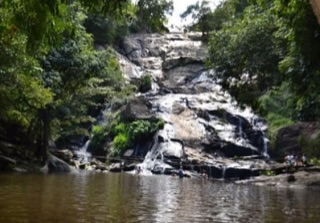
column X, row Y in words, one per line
column 180, row 6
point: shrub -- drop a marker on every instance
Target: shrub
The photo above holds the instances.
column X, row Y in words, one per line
column 146, row 83
column 128, row 134
column 99, row 136
column 120, row 143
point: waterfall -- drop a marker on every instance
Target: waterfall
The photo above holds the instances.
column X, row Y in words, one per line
column 265, row 146
column 83, row 155
column 196, row 111
column 150, row 159
column 240, row 128
column 224, row 169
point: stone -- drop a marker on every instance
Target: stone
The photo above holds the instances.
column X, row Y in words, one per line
column 138, row 108
column 288, row 139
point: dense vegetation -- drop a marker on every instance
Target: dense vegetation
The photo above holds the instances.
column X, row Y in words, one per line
column 122, row 134
column 53, row 82
column 266, row 54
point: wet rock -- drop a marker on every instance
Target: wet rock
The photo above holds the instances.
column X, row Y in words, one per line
column 131, row 45
column 75, row 164
column 54, row 164
column 115, row 167
column 138, row 108
column 64, row 154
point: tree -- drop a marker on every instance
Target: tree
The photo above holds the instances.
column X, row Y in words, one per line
column 21, row 90
column 151, row 14
column 301, row 65
column 245, row 56
column 48, row 68
column 201, row 15
column 45, row 22
column 82, row 80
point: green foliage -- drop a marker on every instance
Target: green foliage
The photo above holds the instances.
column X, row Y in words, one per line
column 52, row 81
column 301, row 67
column 99, row 136
column 315, row 161
column 120, row 143
column 245, row 56
column 146, row 83
column 276, row 106
column 128, row 134
column 311, row 146
column 21, row 91
column 151, row 15
column 268, row 173
column 107, row 29
column 202, row 16
column 82, row 79
column 263, row 43
column 44, row 23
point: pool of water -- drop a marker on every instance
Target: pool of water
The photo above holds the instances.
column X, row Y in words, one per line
column 99, row 197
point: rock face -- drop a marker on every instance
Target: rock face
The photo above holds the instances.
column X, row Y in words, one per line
column 289, row 139
column 139, row 108
column 204, row 125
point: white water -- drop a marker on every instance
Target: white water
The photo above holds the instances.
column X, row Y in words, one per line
column 83, row 155
column 265, row 146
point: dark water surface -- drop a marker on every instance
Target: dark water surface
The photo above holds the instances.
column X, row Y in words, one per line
column 98, row 197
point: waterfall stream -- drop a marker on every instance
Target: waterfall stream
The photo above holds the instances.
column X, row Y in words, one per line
column 83, row 155
column 199, row 116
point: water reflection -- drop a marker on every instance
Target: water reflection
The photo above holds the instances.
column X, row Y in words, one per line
column 97, row 197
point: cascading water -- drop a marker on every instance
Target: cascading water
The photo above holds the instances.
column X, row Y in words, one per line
column 224, row 169
column 265, row 146
column 83, row 155
column 197, row 112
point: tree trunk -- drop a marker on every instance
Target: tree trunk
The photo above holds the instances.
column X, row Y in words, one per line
column 43, row 135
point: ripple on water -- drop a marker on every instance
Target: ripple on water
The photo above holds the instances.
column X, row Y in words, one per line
column 98, row 197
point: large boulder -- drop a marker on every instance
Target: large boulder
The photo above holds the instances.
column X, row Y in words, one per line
column 289, row 139
column 138, row 108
